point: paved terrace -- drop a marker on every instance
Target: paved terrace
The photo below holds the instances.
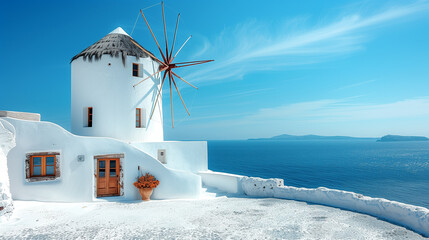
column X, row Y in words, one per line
column 214, row 218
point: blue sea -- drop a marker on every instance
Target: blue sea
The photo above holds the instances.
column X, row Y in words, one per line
column 396, row 171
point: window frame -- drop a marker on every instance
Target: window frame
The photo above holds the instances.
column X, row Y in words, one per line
column 43, row 166
column 138, row 70
column 90, row 116
column 138, row 118
column 119, row 170
column 37, row 178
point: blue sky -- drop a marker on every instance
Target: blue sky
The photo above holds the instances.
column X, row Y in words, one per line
column 357, row 68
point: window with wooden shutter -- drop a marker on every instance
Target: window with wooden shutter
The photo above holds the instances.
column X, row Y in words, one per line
column 43, row 165
column 90, row 117
column 135, row 70
column 138, row 117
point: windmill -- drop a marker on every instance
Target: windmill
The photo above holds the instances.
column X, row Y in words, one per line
column 167, row 65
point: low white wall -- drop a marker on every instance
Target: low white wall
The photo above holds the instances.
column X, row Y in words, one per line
column 186, row 155
column 7, row 142
column 413, row 217
column 76, row 183
column 21, row 115
column 226, row 182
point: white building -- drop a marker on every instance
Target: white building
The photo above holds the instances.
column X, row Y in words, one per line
column 115, row 141
column 104, row 102
column 7, row 141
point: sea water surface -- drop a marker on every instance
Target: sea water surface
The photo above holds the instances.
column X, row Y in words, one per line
column 396, row 171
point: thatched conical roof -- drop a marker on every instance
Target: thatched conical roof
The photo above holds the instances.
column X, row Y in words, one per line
column 117, row 44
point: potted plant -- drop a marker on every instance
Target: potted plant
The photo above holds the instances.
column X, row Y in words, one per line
column 146, row 184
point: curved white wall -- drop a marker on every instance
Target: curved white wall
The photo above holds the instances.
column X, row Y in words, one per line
column 413, row 217
column 7, row 142
column 76, row 183
column 180, row 155
column 107, row 86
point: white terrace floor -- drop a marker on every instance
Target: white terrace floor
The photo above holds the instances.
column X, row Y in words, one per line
column 215, row 218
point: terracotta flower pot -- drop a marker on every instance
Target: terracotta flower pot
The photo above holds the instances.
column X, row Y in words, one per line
column 145, row 193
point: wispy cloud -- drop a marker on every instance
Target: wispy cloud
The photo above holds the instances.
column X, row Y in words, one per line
column 254, row 46
column 325, row 117
column 334, row 110
column 204, row 47
column 246, row 93
column 355, row 85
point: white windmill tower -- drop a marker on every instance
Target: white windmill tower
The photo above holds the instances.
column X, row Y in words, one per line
column 111, row 94
column 104, row 101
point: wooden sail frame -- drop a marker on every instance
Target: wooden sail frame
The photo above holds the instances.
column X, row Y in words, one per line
column 167, row 65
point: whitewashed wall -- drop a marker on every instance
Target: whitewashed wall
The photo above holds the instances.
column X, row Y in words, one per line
column 230, row 183
column 412, row 217
column 109, row 90
column 184, row 155
column 76, row 183
column 7, row 142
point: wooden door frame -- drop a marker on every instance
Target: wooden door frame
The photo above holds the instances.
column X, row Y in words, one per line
column 120, row 174
column 107, row 175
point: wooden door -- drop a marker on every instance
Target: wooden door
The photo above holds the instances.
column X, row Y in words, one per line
column 107, row 177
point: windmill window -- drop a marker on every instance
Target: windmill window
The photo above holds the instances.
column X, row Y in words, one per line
column 137, row 70
column 90, row 111
column 138, row 117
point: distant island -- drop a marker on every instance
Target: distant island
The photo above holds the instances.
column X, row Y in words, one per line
column 310, row 137
column 387, row 138
column 397, row 138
